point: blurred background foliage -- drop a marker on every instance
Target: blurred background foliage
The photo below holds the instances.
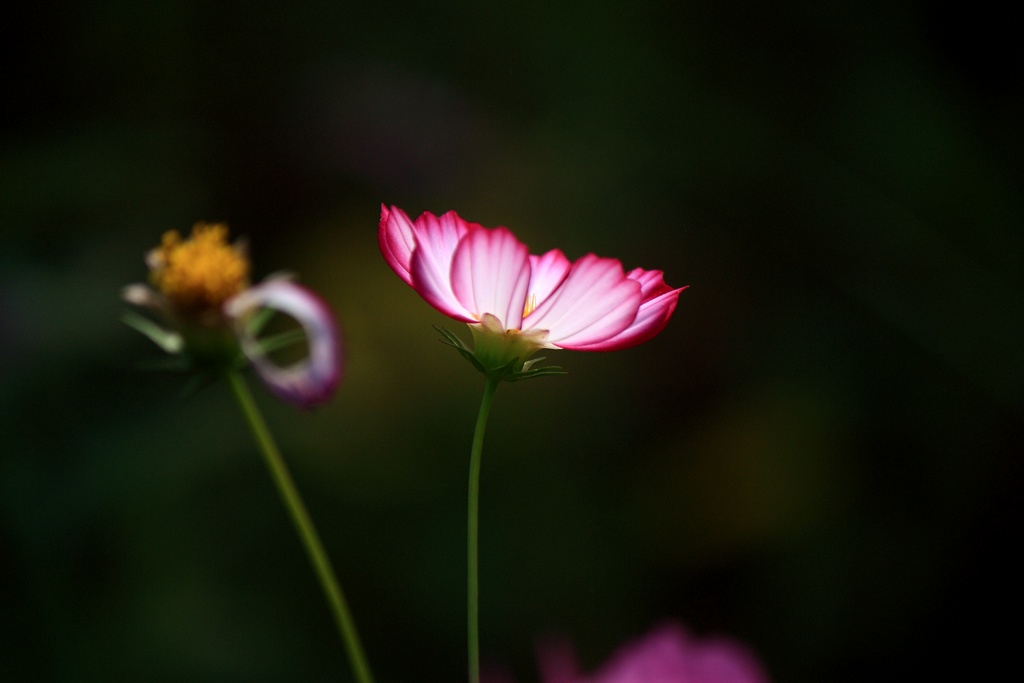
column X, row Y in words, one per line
column 820, row 455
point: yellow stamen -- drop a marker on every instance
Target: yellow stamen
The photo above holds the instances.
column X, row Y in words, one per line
column 531, row 303
column 201, row 272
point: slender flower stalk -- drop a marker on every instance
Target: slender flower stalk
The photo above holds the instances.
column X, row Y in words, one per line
column 515, row 304
column 305, row 528
column 473, row 528
column 211, row 321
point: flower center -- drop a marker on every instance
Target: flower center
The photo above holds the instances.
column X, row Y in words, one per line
column 531, row 303
column 201, row 272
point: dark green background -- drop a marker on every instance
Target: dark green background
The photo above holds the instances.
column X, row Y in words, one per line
column 819, row 456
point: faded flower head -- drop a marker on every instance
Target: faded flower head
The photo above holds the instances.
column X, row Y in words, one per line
column 199, row 273
column 515, row 302
column 212, row 316
column 668, row 654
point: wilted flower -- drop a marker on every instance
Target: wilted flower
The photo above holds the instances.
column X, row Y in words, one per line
column 516, row 302
column 668, row 654
column 213, row 315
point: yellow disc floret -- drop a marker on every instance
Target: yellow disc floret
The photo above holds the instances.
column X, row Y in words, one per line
column 530, row 305
column 199, row 273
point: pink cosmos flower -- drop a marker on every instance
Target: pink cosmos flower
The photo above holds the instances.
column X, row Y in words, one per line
column 668, row 654
column 486, row 277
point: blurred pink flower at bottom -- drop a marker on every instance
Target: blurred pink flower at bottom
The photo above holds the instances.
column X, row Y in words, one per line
column 667, row 654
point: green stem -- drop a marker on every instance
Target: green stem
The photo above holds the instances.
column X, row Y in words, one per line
column 304, row 526
column 473, row 540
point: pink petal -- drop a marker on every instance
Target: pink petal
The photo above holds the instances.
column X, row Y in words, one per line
column 716, row 659
column 659, row 657
column 312, row 380
column 668, row 654
column 652, row 282
column 435, row 242
column 595, row 302
column 659, row 302
column 546, row 273
column 397, row 241
column 490, row 274
column 720, row 660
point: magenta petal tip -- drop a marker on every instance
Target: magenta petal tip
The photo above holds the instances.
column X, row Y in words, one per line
column 667, row 654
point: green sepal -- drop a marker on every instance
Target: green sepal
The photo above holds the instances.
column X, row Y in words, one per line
column 512, row 371
column 179, row 363
column 538, row 372
column 192, row 355
column 197, row 383
column 452, row 340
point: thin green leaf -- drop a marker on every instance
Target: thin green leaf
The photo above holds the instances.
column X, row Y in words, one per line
column 171, row 342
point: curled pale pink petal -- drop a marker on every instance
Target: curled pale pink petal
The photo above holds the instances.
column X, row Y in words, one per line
column 312, row 380
column 659, row 302
column 140, row 295
column 490, row 274
column 594, row 302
